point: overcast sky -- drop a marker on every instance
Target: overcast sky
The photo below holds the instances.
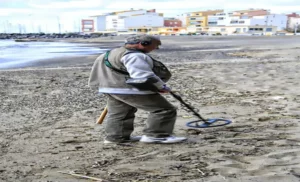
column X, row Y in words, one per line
column 44, row 15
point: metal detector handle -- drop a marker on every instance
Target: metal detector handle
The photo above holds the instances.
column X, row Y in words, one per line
column 188, row 106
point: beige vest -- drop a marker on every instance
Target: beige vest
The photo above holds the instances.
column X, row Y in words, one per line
column 102, row 76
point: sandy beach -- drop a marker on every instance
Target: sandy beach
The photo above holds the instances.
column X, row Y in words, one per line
column 48, row 116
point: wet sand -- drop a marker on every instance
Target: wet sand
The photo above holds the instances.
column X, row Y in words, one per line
column 48, row 117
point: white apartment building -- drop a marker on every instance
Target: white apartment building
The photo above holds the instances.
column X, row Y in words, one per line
column 227, row 19
column 219, row 19
column 122, row 21
column 278, row 20
column 293, row 22
column 183, row 19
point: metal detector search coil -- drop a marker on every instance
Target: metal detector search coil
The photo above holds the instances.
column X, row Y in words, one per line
column 206, row 123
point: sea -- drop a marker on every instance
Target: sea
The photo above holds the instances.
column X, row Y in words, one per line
column 19, row 54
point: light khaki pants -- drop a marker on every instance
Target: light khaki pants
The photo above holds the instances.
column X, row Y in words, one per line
column 121, row 114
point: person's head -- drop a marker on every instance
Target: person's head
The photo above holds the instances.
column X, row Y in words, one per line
column 144, row 43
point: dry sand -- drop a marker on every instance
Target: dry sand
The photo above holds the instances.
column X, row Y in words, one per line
column 48, row 117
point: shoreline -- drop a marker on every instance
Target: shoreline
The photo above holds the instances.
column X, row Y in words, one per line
column 210, row 49
column 50, row 55
column 58, row 62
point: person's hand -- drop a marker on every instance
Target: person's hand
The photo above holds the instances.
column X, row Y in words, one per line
column 165, row 89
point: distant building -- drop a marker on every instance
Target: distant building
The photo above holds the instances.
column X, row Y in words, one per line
column 167, row 31
column 172, row 22
column 277, row 20
column 240, row 19
column 293, row 15
column 293, row 23
column 183, row 19
column 200, row 18
column 123, row 20
column 149, row 21
column 240, row 29
column 87, row 25
column 250, row 13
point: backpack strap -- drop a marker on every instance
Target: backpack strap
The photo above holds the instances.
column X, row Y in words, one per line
column 108, row 64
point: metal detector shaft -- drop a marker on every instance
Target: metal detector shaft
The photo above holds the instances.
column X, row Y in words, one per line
column 188, row 106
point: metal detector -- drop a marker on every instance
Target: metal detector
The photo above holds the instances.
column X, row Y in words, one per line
column 147, row 84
